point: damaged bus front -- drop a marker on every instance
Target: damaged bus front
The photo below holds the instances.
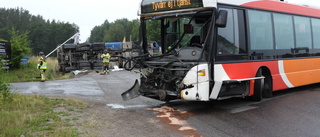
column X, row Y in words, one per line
column 186, row 31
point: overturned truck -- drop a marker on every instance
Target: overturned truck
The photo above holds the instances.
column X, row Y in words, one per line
column 87, row 56
column 82, row 56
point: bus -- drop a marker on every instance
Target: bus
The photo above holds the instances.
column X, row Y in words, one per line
column 219, row 49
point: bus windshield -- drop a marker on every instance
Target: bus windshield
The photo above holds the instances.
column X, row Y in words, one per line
column 179, row 31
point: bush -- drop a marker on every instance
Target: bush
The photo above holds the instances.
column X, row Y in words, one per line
column 20, row 47
column 5, row 92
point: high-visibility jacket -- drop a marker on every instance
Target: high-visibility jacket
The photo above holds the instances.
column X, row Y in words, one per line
column 106, row 58
column 42, row 64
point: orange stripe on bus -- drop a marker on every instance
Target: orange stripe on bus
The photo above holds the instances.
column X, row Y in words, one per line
column 302, row 71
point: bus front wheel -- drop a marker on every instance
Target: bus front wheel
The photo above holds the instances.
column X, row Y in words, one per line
column 267, row 87
column 258, row 87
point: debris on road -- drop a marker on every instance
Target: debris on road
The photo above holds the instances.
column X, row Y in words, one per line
column 76, row 72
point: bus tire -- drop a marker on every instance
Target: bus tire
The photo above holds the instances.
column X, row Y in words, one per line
column 258, row 87
column 267, row 87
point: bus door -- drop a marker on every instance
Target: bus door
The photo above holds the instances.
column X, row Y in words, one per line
column 231, row 47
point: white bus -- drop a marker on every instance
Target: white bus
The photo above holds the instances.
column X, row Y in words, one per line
column 218, row 49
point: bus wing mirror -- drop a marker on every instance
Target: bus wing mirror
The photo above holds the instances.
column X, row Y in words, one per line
column 222, row 18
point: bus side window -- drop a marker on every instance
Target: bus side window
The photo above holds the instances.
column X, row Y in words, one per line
column 226, row 40
column 260, row 28
column 232, row 38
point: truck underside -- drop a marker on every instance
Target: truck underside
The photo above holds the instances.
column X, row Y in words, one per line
column 86, row 56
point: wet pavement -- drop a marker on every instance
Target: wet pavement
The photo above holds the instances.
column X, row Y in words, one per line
column 290, row 113
column 85, row 86
column 91, row 86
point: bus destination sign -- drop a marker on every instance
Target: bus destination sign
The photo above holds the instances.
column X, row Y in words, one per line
column 149, row 6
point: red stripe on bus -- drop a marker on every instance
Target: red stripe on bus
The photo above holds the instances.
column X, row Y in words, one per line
column 283, row 7
column 249, row 70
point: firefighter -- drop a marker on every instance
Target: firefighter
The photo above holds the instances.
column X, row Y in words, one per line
column 106, row 58
column 42, row 65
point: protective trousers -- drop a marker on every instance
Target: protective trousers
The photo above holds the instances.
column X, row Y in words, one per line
column 106, row 67
column 43, row 74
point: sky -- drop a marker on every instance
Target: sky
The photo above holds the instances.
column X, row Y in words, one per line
column 90, row 13
column 309, row 3
column 84, row 13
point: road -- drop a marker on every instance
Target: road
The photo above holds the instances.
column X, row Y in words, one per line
column 294, row 112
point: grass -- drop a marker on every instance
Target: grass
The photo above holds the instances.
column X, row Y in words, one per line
column 30, row 72
column 35, row 115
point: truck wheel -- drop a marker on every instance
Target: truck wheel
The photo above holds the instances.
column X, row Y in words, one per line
column 98, row 47
column 83, row 48
column 85, row 68
column 69, row 46
column 69, row 69
column 84, row 64
column 62, row 68
column 97, row 64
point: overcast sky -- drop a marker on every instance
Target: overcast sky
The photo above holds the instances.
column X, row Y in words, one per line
column 310, row 3
column 85, row 13
column 89, row 13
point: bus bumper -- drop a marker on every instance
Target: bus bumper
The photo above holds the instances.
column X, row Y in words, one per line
column 131, row 93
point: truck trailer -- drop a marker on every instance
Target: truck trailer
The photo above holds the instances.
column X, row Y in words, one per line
column 86, row 56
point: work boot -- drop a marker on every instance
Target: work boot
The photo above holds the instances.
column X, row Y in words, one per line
column 102, row 73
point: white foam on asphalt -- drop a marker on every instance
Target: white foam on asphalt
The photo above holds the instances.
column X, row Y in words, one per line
column 118, row 106
column 242, row 109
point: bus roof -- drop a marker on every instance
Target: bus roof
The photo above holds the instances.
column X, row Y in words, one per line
column 283, row 7
column 150, row 7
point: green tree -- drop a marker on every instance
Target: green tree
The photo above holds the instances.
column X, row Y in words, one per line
column 1, row 64
column 135, row 30
column 127, row 26
column 19, row 47
column 45, row 35
column 97, row 33
column 115, row 33
column 153, row 30
column 39, row 34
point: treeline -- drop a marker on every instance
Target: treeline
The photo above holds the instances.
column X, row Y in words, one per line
column 116, row 31
column 44, row 35
column 123, row 28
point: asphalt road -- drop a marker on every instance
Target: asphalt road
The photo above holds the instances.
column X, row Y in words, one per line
column 290, row 113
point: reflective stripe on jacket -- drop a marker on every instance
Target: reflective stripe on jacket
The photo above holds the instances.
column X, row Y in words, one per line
column 42, row 63
column 106, row 57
